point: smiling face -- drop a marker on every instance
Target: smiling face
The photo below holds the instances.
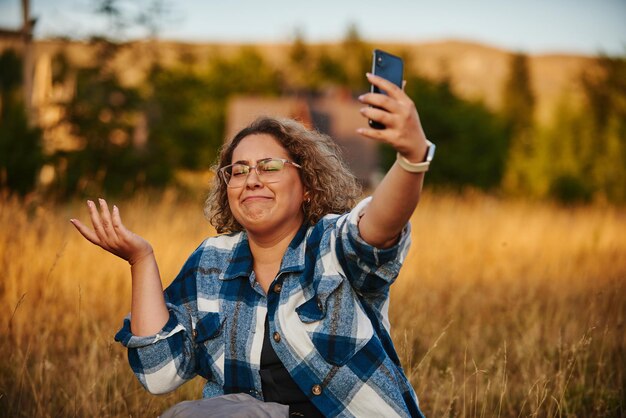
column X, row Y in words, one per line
column 266, row 208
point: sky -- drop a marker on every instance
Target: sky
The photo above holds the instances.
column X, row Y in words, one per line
column 531, row 26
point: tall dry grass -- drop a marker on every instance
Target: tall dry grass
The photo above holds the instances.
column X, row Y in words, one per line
column 503, row 308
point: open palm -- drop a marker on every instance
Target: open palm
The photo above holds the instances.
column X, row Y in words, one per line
column 110, row 233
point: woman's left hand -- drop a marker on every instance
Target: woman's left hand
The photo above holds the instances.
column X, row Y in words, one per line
column 398, row 113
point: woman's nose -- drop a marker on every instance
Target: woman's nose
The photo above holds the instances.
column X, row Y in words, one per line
column 253, row 180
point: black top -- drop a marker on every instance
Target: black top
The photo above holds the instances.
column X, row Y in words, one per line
column 277, row 384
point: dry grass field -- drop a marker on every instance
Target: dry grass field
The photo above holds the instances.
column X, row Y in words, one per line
column 503, row 309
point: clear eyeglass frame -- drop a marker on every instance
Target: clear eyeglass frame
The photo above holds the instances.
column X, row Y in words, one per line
column 268, row 170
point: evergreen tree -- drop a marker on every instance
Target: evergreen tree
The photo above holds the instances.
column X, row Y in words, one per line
column 21, row 156
column 518, row 105
column 356, row 59
column 302, row 61
column 586, row 143
column 566, row 155
column 328, row 70
column 605, row 93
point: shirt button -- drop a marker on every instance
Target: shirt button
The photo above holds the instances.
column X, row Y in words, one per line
column 278, row 287
column 316, row 390
column 195, row 334
column 276, row 337
column 320, row 306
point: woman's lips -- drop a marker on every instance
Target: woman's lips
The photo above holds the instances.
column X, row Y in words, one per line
column 251, row 199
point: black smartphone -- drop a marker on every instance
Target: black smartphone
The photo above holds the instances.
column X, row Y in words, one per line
column 389, row 67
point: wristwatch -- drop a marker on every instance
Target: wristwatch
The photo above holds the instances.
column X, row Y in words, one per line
column 417, row 167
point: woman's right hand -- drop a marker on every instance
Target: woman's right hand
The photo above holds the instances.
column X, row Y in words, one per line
column 110, row 234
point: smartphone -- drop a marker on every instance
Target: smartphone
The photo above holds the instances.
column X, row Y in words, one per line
column 389, row 67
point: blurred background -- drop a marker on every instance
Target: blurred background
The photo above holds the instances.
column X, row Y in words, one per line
column 118, row 96
column 513, row 299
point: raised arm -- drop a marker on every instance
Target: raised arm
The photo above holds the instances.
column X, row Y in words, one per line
column 148, row 311
column 396, row 197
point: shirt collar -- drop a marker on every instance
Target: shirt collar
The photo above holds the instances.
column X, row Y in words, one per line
column 293, row 260
column 240, row 264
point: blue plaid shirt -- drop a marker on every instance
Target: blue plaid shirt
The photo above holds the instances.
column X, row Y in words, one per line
column 328, row 322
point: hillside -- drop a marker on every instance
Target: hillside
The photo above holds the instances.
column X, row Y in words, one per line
column 476, row 71
column 479, row 72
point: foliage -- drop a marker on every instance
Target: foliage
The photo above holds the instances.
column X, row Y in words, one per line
column 606, row 100
column 519, row 101
column 134, row 137
column 569, row 189
column 356, row 59
column 21, row 155
column 328, row 70
column 145, row 17
column 301, row 60
column 314, row 70
column 109, row 118
column 518, row 110
column 106, row 117
column 471, row 141
column 582, row 154
column 187, row 110
column 181, row 118
column 247, row 72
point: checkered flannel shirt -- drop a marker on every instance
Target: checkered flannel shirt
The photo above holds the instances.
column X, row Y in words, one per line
column 328, row 318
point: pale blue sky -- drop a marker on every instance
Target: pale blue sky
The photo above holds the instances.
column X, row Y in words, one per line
column 533, row 26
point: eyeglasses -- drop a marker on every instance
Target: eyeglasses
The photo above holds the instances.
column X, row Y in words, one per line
column 268, row 169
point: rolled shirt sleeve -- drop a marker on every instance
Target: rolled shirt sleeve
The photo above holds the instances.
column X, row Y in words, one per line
column 165, row 360
column 369, row 269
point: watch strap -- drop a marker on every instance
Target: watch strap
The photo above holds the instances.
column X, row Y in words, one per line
column 412, row 167
column 417, row 167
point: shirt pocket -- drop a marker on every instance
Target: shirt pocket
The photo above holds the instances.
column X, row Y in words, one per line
column 209, row 341
column 335, row 321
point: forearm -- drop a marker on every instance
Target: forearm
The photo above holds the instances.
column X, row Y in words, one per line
column 397, row 195
column 392, row 205
column 148, row 311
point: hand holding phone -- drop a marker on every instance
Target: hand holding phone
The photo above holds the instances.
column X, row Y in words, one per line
column 389, row 67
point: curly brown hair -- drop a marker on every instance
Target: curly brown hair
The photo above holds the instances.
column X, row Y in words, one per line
column 331, row 187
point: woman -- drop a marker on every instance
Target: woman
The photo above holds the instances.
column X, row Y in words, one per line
column 290, row 304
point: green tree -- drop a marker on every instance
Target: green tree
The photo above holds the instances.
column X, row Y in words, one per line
column 566, row 155
column 187, row 109
column 109, row 118
column 518, row 106
column 21, row 155
column 106, row 117
column 356, row 58
column 582, row 153
column 247, row 72
column 605, row 93
column 301, row 61
column 147, row 16
column 183, row 118
column 471, row 140
column 328, row 70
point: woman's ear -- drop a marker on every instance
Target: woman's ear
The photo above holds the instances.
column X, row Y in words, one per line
column 306, row 197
